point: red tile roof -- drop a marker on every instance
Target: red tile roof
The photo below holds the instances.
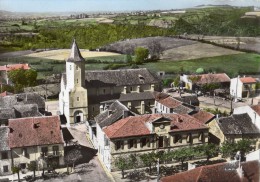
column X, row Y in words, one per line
column 256, row 108
column 34, row 131
column 211, row 78
column 169, row 102
column 130, row 126
column 218, row 172
column 248, row 80
column 14, row 67
column 203, row 116
column 135, row 125
column 5, row 93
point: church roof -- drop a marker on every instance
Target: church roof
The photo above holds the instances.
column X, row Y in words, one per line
column 123, row 77
column 75, row 54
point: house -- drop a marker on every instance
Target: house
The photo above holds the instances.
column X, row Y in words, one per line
column 81, row 92
column 36, row 139
column 228, row 171
column 151, row 132
column 110, row 115
column 243, row 87
column 252, row 111
column 234, row 128
column 20, row 106
column 166, row 104
column 5, row 152
column 195, row 82
column 6, row 68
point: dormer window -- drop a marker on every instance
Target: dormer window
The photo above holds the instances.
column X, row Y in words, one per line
column 141, row 78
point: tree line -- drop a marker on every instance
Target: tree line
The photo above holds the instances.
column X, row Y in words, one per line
column 207, row 151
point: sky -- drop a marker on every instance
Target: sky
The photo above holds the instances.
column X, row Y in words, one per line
column 111, row 5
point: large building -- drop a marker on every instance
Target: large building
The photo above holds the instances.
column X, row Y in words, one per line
column 82, row 92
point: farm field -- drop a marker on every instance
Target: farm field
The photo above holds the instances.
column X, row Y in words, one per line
column 196, row 51
column 62, row 54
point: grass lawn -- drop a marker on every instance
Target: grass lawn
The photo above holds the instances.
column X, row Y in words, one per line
column 247, row 63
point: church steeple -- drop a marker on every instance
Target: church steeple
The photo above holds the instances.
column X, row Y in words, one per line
column 75, row 55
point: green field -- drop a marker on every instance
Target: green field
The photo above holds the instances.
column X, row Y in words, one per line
column 247, row 63
column 233, row 65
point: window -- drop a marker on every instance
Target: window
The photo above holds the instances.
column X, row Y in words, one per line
column 93, row 109
column 44, row 151
column 143, row 142
column 201, row 137
column 4, row 155
column 131, row 89
column 106, row 142
column 77, row 80
column 55, row 150
column 119, row 144
column 5, row 169
column 70, row 67
column 23, row 165
column 77, row 67
column 177, row 138
column 77, row 98
column 189, row 138
column 130, row 143
column 104, row 91
column 25, row 153
column 160, row 142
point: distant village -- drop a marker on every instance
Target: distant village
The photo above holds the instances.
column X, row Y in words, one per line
column 131, row 122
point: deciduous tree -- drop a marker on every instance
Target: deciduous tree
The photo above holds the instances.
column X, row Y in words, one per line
column 141, row 54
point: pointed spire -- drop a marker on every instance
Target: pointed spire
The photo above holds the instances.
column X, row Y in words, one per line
column 75, row 54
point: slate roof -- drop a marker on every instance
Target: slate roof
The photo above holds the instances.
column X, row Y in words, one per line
column 4, row 138
column 112, row 114
column 35, row 131
column 256, row 108
column 192, row 100
column 248, row 80
column 136, row 125
column 22, row 99
column 123, row 77
column 121, row 97
column 203, row 116
column 10, row 67
column 75, row 55
column 7, row 113
column 211, row 78
column 237, row 124
column 28, row 110
column 218, row 172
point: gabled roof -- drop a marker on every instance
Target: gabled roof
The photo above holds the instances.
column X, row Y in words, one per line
column 211, row 78
column 218, row 172
column 174, row 104
column 10, row 67
column 256, row 108
column 4, row 138
column 34, row 131
column 237, row 124
column 75, row 54
column 130, row 126
column 122, row 77
column 248, row 80
column 203, row 116
column 135, row 125
column 112, row 114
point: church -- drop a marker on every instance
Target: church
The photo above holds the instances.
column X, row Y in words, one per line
column 84, row 94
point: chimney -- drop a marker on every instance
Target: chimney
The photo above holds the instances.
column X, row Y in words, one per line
column 109, row 112
column 125, row 114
